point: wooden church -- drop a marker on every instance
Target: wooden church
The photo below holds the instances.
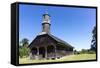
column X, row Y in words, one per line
column 46, row 45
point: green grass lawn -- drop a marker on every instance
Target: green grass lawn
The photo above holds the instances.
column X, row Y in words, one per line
column 65, row 58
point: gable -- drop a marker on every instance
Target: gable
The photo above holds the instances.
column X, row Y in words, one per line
column 48, row 39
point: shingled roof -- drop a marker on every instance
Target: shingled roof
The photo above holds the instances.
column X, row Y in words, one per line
column 55, row 38
column 59, row 40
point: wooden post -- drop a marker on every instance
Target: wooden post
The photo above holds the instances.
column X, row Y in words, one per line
column 55, row 52
column 37, row 52
column 45, row 52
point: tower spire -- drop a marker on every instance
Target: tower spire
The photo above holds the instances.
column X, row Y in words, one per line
column 46, row 22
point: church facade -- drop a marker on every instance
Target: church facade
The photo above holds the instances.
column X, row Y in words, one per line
column 46, row 45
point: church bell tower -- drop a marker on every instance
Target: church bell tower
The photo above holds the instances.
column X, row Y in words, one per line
column 46, row 23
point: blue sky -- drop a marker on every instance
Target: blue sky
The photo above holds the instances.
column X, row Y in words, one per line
column 73, row 25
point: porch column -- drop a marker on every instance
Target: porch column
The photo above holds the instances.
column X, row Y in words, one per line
column 45, row 52
column 37, row 51
column 55, row 51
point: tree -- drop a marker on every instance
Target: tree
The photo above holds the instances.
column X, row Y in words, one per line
column 87, row 51
column 25, row 42
column 76, row 52
column 23, row 48
column 24, row 51
column 83, row 51
column 93, row 42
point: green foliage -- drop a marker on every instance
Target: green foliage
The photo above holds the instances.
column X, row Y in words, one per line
column 24, row 42
column 23, row 51
column 93, row 42
column 83, row 51
column 86, row 51
column 76, row 52
column 23, row 48
column 91, row 52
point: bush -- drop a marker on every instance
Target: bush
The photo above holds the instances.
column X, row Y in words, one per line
column 92, row 52
column 23, row 51
column 76, row 52
column 86, row 51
